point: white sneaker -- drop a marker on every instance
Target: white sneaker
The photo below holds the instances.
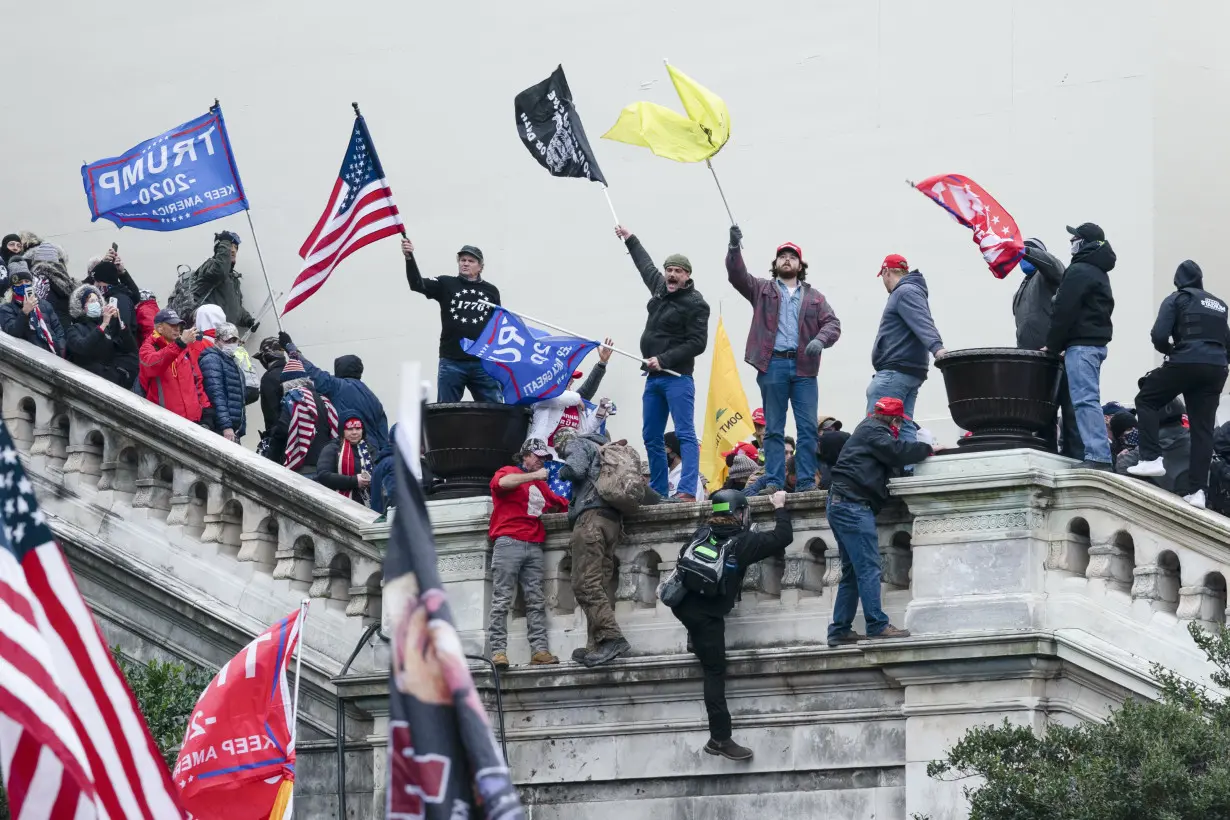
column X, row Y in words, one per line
column 1148, row 469
column 1196, row 499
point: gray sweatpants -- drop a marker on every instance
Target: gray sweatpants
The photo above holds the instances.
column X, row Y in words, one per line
column 514, row 561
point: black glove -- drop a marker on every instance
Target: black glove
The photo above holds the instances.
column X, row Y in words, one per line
column 736, row 237
column 284, row 340
column 252, row 328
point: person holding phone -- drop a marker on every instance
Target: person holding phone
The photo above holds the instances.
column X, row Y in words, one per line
column 98, row 340
column 27, row 317
column 108, row 274
column 168, row 375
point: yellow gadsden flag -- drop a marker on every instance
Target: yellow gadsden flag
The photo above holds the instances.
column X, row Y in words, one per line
column 693, row 138
column 728, row 420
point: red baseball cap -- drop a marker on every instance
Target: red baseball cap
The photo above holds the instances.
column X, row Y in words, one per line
column 747, row 448
column 790, row 246
column 894, row 261
column 758, row 416
column 891, row 407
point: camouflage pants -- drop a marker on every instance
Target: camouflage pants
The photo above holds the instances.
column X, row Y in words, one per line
column 594, row 538
column 514, row 562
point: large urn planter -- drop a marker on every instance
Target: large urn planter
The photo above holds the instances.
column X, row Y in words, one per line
column 1005, row 397
column 466, row 442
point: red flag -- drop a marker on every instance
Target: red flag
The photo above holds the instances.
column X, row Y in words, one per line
column 239, row 749
column 995, row 231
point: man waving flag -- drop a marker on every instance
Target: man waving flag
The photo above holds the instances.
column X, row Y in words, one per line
column 360, row 211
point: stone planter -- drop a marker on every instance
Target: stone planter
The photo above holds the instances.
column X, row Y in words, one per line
column 466, row 442
column 1006, row 397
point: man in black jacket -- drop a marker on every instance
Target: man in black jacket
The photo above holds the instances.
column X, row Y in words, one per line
column 705, row 616
column 1080, row 330
column 868, row 460
column 272, row 357
column 462, row 316
column 1192, row 332
column 676, row 332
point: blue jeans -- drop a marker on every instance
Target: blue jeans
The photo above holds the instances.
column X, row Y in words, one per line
column 854, row 527
column 894, row 384
column 1083, row 365
column 676, row 396
column 455, row 375
column 779, row 384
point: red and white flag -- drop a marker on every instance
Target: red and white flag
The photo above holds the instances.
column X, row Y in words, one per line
column 72, row 742
column 995, row 231
column 238, row 757
column 360, row 211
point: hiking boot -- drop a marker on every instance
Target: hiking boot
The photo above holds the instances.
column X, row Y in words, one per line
column 500, row 659
column 579, row 653
column 1148, row 469
column 890, row 631
column 728, row 749
column 607, row 651
column 543, row 658
column 1104, row 466
column 1196, row 499
column 847, row 639
column 769, row 489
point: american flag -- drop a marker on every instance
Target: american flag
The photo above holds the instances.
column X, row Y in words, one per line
column 72, row 742
column 360, row 211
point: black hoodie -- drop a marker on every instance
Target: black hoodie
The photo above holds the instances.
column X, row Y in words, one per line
column 1083, row 304
column 1206, row 336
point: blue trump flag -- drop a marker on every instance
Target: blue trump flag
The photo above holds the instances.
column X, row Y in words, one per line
column 530, row 364
column 183, row 177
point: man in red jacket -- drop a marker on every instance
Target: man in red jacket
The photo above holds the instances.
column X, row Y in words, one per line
column 168, row 375
column 792, row 324
column 520, row 496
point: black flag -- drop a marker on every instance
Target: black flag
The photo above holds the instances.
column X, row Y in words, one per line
column 443, row 759
column 548, row 124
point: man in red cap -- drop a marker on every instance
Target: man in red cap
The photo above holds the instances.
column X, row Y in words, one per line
column 792, row 324
column 876, row 451
column 905, row 337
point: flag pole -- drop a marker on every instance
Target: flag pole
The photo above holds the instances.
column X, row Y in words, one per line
column 569, row 333
column 721, row 193
column 294, row 724
column 272, row 299
column 610, row 204
column 359, row 116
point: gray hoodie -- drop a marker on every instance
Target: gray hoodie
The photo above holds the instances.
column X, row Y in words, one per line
column 906, row 332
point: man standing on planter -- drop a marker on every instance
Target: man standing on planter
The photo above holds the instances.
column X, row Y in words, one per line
column 676, row 332
column 792, row 324
column 875, row 452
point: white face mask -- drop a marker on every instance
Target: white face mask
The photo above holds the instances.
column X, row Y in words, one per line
column 1076, row 244
column 93, row 310
column 229, row 347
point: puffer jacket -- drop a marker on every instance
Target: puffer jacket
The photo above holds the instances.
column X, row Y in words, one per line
column 17, row 324
column 816, row 318
column 224, row 384
column 110, row 353
column 169, row 378
column 677, row 330
column 223, row 285
column 351, row 396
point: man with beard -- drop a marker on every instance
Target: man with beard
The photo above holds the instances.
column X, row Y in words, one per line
column 906, row 335
column 676, row 332
column 792, row 324
column 1080, row 330
column 463, row 315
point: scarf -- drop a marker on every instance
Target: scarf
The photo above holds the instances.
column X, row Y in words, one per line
column 303, row 417
column 353, row 459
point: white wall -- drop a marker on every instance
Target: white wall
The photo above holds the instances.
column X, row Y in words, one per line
column 1050, row 105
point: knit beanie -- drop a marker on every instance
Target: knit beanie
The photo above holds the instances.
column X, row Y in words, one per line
column 678, row 260
column 742, row 467
column 19, row 270
column 293, row 370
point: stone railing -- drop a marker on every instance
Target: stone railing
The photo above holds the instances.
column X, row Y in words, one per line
column 241, row 535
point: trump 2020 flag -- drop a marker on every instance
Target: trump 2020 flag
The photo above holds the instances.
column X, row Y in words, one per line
column 548, row 124
column 529, row 363
column 359, row 212
column 238, row 756
column 183, row 177
column 443, row 760
column 995, row 231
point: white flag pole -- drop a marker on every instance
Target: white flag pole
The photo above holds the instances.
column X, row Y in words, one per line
column 294, row 725
column 527, row 318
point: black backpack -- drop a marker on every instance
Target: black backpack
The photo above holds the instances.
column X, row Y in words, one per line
column 706, row 565
column 189, row 293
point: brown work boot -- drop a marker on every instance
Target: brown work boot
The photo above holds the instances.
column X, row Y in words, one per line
column 891, row 631
column 847, row 639
column 543, row 658
column 500, row 659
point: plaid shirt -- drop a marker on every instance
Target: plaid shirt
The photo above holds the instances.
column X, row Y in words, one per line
column 816, row 318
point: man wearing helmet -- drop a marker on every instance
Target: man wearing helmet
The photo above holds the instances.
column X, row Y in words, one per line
column 704, row 615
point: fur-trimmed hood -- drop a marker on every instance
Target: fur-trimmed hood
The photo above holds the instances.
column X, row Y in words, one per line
column 76, row 302
column 51, row 263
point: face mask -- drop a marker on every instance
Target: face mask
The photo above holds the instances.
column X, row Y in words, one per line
column 1027, row 267
column 228, row 347
column 20, row 291
column 1076, row 244
column 93, row 310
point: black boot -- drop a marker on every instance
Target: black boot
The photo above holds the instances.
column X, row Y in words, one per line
column 728, row 749
column 607, row 651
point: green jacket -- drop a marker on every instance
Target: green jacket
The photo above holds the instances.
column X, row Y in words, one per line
column 223, row 285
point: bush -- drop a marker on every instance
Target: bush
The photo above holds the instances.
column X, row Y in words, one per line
column 1159, row 760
